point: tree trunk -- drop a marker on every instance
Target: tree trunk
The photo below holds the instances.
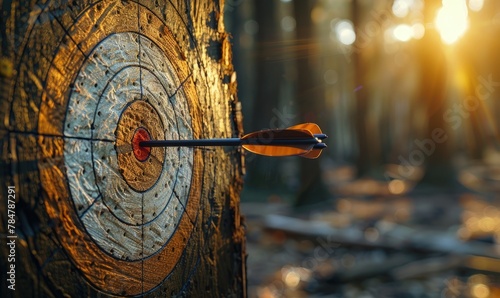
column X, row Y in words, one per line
column 86, row 210
column 310, row 95
column 364, row 53
column 439, row 170
column 265, row 171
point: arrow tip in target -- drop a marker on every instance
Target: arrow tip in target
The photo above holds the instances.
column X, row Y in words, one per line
column 140, row 152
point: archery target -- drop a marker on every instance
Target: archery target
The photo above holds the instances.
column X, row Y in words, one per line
column 125, row 98
column 124, row 214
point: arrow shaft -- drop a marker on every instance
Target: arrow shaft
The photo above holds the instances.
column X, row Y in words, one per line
column 227, row 142
column 192, row 143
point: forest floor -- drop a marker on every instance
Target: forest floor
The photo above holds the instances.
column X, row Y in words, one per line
column 424, row 243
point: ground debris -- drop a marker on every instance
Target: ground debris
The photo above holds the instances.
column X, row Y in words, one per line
column 377, row 247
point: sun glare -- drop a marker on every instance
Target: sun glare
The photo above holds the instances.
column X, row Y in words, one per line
column 403, row 32
column 476, row 5
column 401, row 8
column 451, row 20
column 345, row 32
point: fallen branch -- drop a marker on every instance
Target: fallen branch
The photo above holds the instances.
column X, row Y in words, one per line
column 391, row 236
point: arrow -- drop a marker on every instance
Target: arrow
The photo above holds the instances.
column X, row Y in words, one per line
column 305, row 140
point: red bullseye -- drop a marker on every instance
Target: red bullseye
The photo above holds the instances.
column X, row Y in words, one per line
column 141, row 153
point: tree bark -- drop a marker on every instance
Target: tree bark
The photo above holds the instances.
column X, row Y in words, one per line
column 93, row 217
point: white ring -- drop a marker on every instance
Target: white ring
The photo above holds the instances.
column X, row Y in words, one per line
column 110, row 210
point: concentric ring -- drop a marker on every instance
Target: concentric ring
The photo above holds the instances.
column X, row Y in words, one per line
column 124, row 222
column 128, row 193
column 139, row 173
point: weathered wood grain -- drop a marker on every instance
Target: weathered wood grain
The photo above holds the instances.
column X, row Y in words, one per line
column 77, row 79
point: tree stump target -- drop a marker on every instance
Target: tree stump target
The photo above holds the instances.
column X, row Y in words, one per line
column 121, row 219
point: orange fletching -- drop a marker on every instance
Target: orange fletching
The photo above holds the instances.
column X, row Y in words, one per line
column 277, row 150
column 313, row 154
column 311, row 127
column 263, row 142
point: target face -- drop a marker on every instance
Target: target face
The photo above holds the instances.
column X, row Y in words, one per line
column 124, row 214
column 125, row 103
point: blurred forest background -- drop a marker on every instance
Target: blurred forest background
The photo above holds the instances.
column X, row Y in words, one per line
column 408, row 93
column 405, row 89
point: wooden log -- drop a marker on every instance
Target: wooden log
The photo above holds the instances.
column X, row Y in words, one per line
column 391, row 236
column 369, row 269
column 80, row 83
